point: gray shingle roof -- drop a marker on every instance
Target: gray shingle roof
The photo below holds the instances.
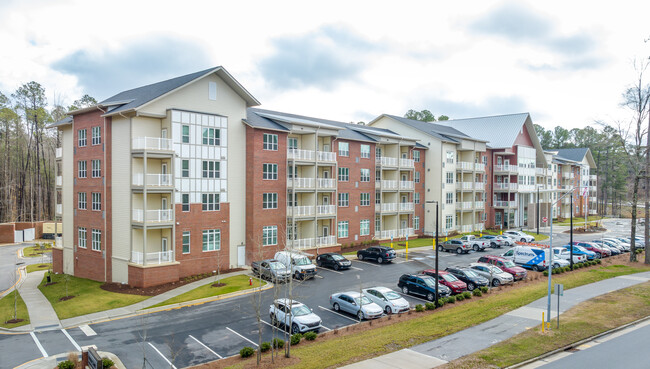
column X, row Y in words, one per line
column 576, row 154
column 499, row 131
column 439, row 131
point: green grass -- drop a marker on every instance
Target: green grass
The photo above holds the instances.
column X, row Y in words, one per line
column 538, row 237
column 89, row 297
column 36, row 267
column 577, row 221
column 233, row 284
column 36, row 252
column 7, row 311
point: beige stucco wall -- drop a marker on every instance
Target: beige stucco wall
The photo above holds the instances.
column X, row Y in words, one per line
column 67, row 197
column 121, row 198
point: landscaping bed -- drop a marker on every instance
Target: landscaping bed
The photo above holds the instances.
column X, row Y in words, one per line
column 36, row 251
column 36, row 267
column 7, row 312
column 227, row 285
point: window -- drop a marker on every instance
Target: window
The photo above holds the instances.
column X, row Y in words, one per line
column 416, row 156
column 417, row 177
column 97, row 135
column 449, row 222
column 211, row 169
column 378, row 175
column 210, row 201
column 97, row 201
column 450, row 157
column 344, row 199
column 344, row 174
column 185, row 134
column 416, row 197
column 291, row 201
column 378, row 152
column 289, row 171
column 186, row 242
column 96, row 168
column 97, row 240
column 211, row 240
column 343, row 229
column 344, row 149
column 270, row 201
column 211, row 136
column 450, row 198
column 185, row 168
column 365, row 175
column 83, row 169
column 292, row 143
column 365, row 199
column 81, row 203
column 365, row 151
column 416, row 223
column 269, row 235
column 82, row 237
column 81, row 137
column 364, row 227
column 269, row 171
column 377, row 197
column 185, row 199
column 270, row 142
column 377, row 223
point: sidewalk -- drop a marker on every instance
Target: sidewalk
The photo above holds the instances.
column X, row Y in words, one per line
column 41, row 313
column 479, row 337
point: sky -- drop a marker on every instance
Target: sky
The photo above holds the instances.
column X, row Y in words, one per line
column 565, row 62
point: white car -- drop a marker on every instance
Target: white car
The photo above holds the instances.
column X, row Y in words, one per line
column 291, row 313
column 387, row 299
column 519, row 236
column 506, row 240
column 560, row 263
column 625, row 245
column 561, row 253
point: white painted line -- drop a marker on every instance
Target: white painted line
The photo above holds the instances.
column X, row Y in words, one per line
column 271, row 325
column 243, row 337
column 87, row 330
column 417, row 298
column 403, row 261
column 163, row 356
column 71, row 340
column 324, row 327
column 365, row 262
column 318, row 276
column 356, row 268
column 420, row 258
column 38, row 344
column 329, row 270
column 339, row 314
column 431, row 256
column 206, row 347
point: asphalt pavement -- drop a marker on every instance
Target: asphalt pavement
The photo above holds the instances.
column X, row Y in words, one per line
column 10, row 261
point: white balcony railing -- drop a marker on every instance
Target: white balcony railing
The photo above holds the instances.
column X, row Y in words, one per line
column 464, row 165
column 505, row 186
column 153, row 216
column 479, row 167
column 395, row 233
column 300, row 211
column 388, row 184
column 326, row 241
column 326, row 209
column 152, row 257
column 479, row 186
column 157, row 180
column 387, row 207
column 505, row 168
column 59, row 152
column 540, row 171
column 326, row 183
column 59, row 209
column 593, row 211
column 466, row 228
column 592, row 198
column 386, row 161
column 505, row 204
column 406, row 163
column 592, row 177
column 478, row 227
column 59, row 181
column 465, row 205
column 406, row 206
column 58, row 242
column 466, row 185
column 406, row 185
column 568, row 175
column 479, row 205
column 152, row 143
column 326, row 156
column 526, row 187
column 296, row 154
column 301, row 182
column 303, row 243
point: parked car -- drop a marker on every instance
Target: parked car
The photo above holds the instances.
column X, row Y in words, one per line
column 422, row 285
column 626, row 242
column 494, row 274
column 271, row 270
column 297, row 263
column 518, row 273
column 455, row 245
column 455, row 285
column 493, row 241
column 507, row 240
column 380, row 254
column 520, row 236
column 623, row 246
column 565, row 254
column 530, row 257
column 577, row 250
column 295, row 315
column 387, row 299
column 560, row 263
column 615, row 248
column 475, row 243
column 638, row 241
column 333, row 260
column 356, row 304
column 601, row 252
column 468, row 276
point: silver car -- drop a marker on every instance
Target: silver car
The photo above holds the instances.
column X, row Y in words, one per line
column 357, row 304
column 494, row 274
column 387, row 299
column 625, row 245
column 291, row 313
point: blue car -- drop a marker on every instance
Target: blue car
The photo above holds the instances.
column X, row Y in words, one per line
column 579, row 250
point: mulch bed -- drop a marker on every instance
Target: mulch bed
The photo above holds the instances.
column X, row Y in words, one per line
column 12, row 321
column 589, row 230
column 51, row 283
column 157, row 290
column 218, row 284
column 66, row 298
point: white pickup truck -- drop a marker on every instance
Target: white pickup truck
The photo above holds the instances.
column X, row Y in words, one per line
column 475, row 243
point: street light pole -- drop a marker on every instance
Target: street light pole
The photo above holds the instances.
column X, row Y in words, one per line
column 550, row 253
column 437, row 247
column 537, row 216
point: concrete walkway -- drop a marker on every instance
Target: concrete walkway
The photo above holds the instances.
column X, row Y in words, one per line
column 41, row 314
column 479, row 337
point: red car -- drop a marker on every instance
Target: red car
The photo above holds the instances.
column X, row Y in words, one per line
column 445, row 278
column 600, row 251
column 506, row 265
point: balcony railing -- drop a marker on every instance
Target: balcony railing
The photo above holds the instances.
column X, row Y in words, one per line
column 308, row 183
column 388, row 184
column 406, row 206
column 152, row 143
column 592, row 198
column 465, row 205
column 467, row 186
column 540, row 171
column 153, row 216
column 406, row 185
column 156, row 180
column 569, row 175
column 59, row 152
column 406, row 163
column 59, row 181
column 395, row 233
column 326, row 183
column 386, row 207
column 479, row 205
column 479, row 186
column 592, row 177
column 566, row 200
column 479, row 167
column 300, row 211
column 326, row 241
column 505, row 168
column 59, row 209
column 526, row 187
column 593, row 211
column 386, row 161
column 296, row 154
column 326, row 209
column 505, row 204
column 466, row 228
column 464, row 165
column 152, row 257
column 308, row 243
column 505, row 186
column 326, row 156
column 478, row 227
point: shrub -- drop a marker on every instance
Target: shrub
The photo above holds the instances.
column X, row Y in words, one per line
column 467, row 295
column 460, row 297
column 295, row 339
column 546, row 273
column 598, row 261
column 66, row 365
column 419, row 308
column 107, row 363
column 430, row 305
column 278, row 343
column 440, row 303
column 246, row 352
column 266, row 346
column 477, row 293
column 451, row 299
column 484, row 289
column 310, row 336
column 567, row 268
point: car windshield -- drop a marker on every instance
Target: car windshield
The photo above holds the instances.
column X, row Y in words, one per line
column 580, row 248
column 392, row 295
column 337, row 257
column 276, row 266
column 300, row 310
column 364, row 300
column 430, row 282
column 470, row 274
column 449, row 278
column 495, row 270
column 301, row 261
column 508, row 263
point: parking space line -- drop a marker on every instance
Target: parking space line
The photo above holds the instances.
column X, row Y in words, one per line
column 355, row 268
column 38, row 344
column 243, row 337
column 419, row 258
column 322, row 326
column 329, row 270
column 339, row 314
column 365, row 262
column 71, row 340
column 206, row 347
column 417, row 298
column 87, row 330
column 271, row 325
column 163, row 356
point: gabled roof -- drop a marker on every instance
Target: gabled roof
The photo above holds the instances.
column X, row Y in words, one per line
column 59, row 123
column 499, row 131
column 441, row 132
column 576, row 154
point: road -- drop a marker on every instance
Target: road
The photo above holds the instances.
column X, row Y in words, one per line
column 8, row 263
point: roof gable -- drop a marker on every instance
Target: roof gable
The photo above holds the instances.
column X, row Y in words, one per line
column 500, row 131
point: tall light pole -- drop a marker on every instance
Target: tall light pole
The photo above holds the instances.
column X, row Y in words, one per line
column 437, row 246
column 550, row 253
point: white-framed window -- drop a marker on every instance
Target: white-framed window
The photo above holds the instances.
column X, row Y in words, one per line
column 270, row 142
column 97, row 135
column 344, row 199
column 211, row 136
column 210, row 201
column 292, row 143
column 449, row 198
column 269, row 235
column 82, row 236
column 291, row 201
column 185, row 202
column 416, row 197
column 270, row 200
column 97, row 240
column 185, row 168
column 211, row 169
column 186, row 242
column 270, row 171
column 364, row 227
column 377, row 175
column 377, row 223
column 449, row 222
column 416, row 156
column 377, row 197
column 365, row 151
column 96, row 200
column 449, row 177
column 416, row 223
column 417, row 177
column 344, row 149
column 365, row 199
column 450, row 157
column 82, row 141
column 96, row 168
column 343, row 229
column 185, row 134
column 82, row 167
column 344, row 174
column 81, row 201
column 211, row 239
column 365, row 175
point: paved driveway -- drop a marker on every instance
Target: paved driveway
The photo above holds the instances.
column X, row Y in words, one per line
column 8, row 261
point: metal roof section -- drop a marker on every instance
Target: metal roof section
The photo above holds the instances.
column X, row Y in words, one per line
column 65, row 121
column 295, row 120
column 500, row 131
column 443, row 133
column 576, row 155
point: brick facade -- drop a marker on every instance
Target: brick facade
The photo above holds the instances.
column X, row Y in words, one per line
column 141, row 276
column 57, row 260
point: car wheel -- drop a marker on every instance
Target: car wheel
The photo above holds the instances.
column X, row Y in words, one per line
column 523, row 240
column 430, row 296
column 496, row 282
column 296, row 275
column 470, row 286
column 556, row 265
column 459, row 251
column 476, row 248
column 319, row 263
column 336, row 267
column 360, row 315
column 274, row 322
column 598, row 255
column 405, row 290
column 337, row 307
column 360, row 257
column 388, row 310
column 380, row 260
column 294, row 328
column 493, row 245
column 536, row 268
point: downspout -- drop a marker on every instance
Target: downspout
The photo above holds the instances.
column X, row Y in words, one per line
column 104, row 199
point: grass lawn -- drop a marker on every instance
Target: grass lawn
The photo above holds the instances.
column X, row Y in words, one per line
column 582, row 321
column 233, row 284
column 89, row 297
column 36, row 252
column 36, row 267
column 7, row 311
column 578, row 221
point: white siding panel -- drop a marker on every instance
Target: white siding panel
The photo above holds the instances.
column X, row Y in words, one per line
column 121, row 198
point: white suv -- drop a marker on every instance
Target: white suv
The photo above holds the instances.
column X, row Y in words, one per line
column 291, row 313
column 519, row 236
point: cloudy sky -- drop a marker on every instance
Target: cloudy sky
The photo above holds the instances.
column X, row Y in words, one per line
column 565, row 62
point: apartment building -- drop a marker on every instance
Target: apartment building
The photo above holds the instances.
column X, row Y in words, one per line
column 574, row 170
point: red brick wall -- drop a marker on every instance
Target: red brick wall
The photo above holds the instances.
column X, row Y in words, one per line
column 7, row 232
column 57, row 260
column 420, row 188
column 153, row 275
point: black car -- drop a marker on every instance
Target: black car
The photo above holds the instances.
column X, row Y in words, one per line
column 379, row 253
column 333, row 260
column 470, row 278
column 422, row 285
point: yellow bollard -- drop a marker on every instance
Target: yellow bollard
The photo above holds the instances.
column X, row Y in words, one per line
column 543, row 323
column 433, row 241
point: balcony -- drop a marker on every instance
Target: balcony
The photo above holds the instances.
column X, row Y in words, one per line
column 59, row 209
column 464, row 165
column 152, row 258
column 386, row 207
column 505, row 168
column 306, row 155
column 479, row 205
column 465, row 205
column 406, row 185
column 326, row 156
column 569, row 175
column 309, row 243
column 58, row 153
column 540, row 172
column 592, row 177
column 154, row 144
column 407, row 163
column 505, row 186
column 593, row 212
column 153, row 180
column 406, row 206
column 300, row 211
column 566, row 200
column 386, row 161
column 301, row 183
column 59, row 181
column 479, row 227
column 386, row 185
column 326, row 210
column 326, row 183
column 527, row 188
column 466, row 228
column 592, row 198
column 465, row 186
column 479, row 186
column 394, row 233
column 592, row 188
column 159, row 216
column 505, row 204
column 479, row 167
